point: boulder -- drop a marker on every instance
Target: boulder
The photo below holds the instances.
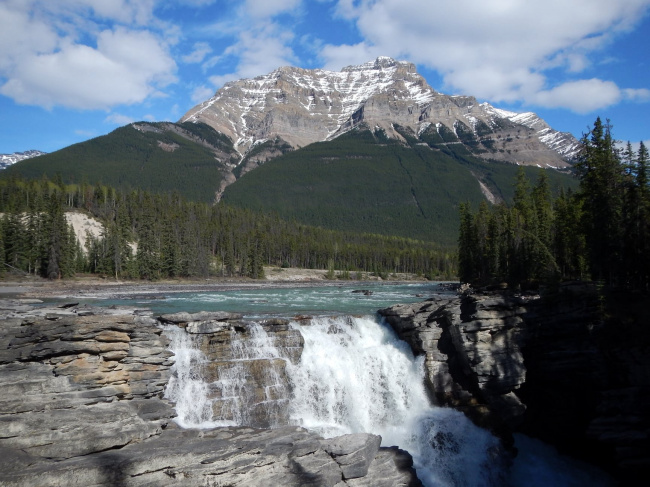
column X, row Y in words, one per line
column 353, row 452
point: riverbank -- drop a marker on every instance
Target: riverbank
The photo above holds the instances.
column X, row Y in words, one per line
column 110, row 288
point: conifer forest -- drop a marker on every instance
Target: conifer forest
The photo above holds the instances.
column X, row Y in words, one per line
column 153, row 236
column 600, row 232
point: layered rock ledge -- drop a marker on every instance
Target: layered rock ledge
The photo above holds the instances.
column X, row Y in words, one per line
column 83, row 404
column 553, row 368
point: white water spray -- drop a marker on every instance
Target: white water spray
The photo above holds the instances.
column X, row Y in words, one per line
column 354, row 376
column 186, row 387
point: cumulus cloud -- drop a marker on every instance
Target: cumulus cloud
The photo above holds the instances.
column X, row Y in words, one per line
column 499, row 50
column 44, row 62
column 260, row 43
column 581, row 96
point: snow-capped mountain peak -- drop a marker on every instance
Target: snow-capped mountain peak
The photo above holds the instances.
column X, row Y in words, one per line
column 302, row 106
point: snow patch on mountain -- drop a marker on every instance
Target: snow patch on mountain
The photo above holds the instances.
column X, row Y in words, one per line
column 7, row 160
column 303, row 106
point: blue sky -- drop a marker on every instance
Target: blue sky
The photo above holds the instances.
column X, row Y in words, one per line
column 71, row 70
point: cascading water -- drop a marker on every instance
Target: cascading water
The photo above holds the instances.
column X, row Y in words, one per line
column 186, row 388
column 243, row 387
column 354, row 376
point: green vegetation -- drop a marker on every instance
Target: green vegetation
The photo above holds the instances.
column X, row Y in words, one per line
column 363, row 182
column 152, row 236
column 601, row 231
column 157, row 157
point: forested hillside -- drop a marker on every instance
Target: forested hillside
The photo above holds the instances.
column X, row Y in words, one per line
column 365, row 182
column 159, row 157
column 152, row 235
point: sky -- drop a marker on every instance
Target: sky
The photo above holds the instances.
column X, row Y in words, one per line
column 71, row 70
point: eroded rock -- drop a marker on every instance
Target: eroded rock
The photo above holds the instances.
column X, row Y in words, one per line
column 82, row 405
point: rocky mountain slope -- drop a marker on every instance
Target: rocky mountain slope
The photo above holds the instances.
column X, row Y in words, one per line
column 302, row 106
column 9, row 159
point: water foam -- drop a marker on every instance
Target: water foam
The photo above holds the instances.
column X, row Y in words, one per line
column 355, row 375
column 186, row 388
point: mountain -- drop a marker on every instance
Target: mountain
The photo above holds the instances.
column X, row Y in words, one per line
column 189, row 158
column 7, row 160
column 301, row 106
column 372, row 148
column 364, row 181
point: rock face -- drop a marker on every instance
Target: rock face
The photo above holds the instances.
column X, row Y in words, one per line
column 473, row 356
column 74, row 385
column 551, row 368
column 83, row 404
column 302, row 106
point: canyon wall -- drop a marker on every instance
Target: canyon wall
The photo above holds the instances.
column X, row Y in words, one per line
column 555, row 368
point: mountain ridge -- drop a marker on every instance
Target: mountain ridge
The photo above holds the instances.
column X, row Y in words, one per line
column 303, row 106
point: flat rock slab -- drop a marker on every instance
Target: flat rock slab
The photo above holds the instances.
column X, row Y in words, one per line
column 353, row 452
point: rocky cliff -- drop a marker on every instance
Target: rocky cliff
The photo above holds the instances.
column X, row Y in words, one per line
column 83, row 404
column 554, row 368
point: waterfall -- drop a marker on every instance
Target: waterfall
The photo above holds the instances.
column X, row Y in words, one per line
column 244, row 387
column 186, row 387
column 354, row 376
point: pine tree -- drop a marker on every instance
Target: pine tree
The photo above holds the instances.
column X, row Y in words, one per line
column 601, row 189
column 466, row 271
column 148, row 254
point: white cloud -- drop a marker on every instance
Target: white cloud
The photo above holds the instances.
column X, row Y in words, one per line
column 581, row 96
column 260, row 43
column 44, row 62
column 118, row 119
column 498, row 50
column 270, row 8
column 201, row 93
column 638, row 95
column 79, row 76
column 201, row 49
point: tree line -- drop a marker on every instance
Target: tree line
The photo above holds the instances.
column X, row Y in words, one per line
column 153, row 236
column 601, row 231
